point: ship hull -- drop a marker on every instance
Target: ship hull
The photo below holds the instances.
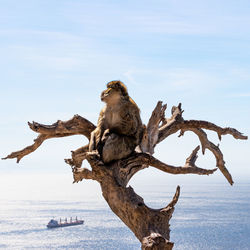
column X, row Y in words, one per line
column 66, row 224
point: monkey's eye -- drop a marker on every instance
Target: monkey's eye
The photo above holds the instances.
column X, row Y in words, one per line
column 107, row 91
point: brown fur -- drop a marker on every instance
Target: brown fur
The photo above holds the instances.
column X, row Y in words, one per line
column 119, row 125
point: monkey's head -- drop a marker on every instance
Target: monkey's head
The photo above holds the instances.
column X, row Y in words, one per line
column 114, row 92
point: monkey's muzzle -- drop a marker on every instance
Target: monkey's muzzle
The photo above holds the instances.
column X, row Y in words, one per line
column 105, row 93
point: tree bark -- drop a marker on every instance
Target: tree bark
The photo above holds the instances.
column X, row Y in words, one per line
column 150, row 226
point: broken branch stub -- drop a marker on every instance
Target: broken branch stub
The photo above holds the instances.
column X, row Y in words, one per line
column 151, row 131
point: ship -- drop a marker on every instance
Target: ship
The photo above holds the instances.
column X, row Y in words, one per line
column 54, row 223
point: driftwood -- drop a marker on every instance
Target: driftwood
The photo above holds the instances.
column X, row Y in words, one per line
column 150, row 226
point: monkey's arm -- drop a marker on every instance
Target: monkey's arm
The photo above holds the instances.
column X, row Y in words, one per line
column 130, row 122
column 97, row 134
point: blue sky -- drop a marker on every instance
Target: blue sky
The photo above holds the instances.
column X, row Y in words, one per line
column 57, row 56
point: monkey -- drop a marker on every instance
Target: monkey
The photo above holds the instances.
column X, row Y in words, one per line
column 119, row 127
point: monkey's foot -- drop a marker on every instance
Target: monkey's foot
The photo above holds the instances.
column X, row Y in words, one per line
column 94, row 158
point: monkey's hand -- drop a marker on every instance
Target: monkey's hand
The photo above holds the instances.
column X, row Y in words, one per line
column 93, row 155
column 95, row 140
column 128, row 124
column 105, row 136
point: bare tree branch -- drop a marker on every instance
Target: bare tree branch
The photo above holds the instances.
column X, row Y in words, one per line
column 176, row 123
column 220, row 163
column 78, row 156
column 82, row 173
column 29, row 149
column 170, row 126
column 188, row 168
column 126, row 168
column 210, row 126
column 150, row 136
column 75, row 126
column 170, row 207
column 99, row 170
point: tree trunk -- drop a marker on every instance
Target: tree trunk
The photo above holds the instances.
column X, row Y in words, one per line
column 150, row 226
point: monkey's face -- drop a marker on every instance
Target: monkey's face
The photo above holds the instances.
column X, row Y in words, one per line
column 111, row 95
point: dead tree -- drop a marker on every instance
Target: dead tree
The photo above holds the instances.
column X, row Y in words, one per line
column 150, row 226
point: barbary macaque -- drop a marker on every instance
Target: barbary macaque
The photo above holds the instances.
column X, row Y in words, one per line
column 119, row 127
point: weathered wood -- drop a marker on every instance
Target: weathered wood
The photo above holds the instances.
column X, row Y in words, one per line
column 150, row 226
column 177, row 123
column 150, row 136
column 75, row 126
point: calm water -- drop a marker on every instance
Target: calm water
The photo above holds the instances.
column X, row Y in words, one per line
column 206, row 217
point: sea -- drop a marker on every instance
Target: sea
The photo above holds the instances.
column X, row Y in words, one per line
column 208, row 216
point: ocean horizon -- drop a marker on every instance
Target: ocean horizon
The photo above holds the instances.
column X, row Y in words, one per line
column 207, row 216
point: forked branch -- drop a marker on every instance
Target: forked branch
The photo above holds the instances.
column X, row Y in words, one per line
column 176, row 123
column 75, row 126
column 206, row 144
column 125, row 169
column 78, row 156
column 188, row 168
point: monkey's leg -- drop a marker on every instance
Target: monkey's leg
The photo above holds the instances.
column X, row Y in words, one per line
column 117, row 147
column 92, row 142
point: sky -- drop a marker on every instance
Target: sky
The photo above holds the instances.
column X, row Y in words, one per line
column 57, row 56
